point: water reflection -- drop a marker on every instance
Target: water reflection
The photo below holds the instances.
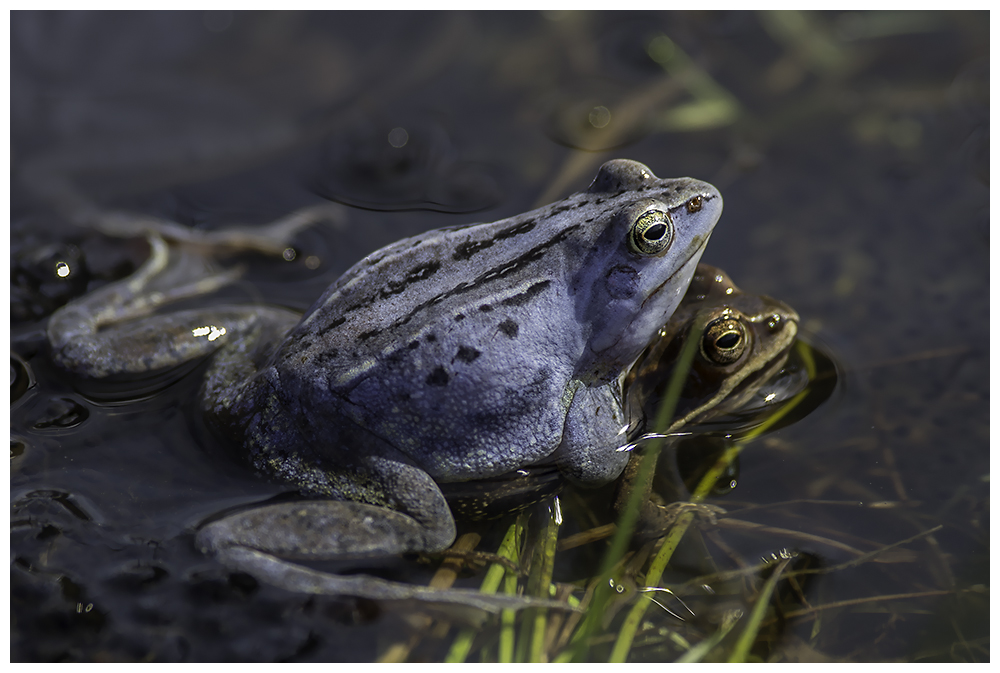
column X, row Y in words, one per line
column 380, row 165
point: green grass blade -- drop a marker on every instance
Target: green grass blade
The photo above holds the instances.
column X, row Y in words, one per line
column 701, row 650
column 631, row 624
column 749, row 633
column 462, row 644
column 548, row 556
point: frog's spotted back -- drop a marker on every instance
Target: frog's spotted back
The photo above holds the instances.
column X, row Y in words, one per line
column 464, row 346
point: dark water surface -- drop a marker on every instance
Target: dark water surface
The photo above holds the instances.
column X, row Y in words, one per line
column 852, row 151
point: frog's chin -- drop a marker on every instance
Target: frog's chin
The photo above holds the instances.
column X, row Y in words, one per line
column 616, row 348
column 657, row 309
column 670, row 291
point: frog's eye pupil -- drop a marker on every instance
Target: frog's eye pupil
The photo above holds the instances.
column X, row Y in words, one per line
column 724, row 341
column 694, row 205
column 651, row 233
column 728, row 341
column 655, row 232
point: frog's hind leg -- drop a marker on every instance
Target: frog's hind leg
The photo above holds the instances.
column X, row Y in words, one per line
column 260, row 542
column 379, row 503
column 157, row 343
column 92, row 335
column 386, row 506
column 294, row 577
column 128, row 298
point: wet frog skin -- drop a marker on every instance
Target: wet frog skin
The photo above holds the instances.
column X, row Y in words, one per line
column 743, row 341
column 459, row 354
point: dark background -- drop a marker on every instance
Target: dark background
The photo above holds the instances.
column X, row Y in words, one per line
column 852, row 150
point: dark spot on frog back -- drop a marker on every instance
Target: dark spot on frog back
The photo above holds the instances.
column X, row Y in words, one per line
column 438, row 377
column 525, row 297
column 331, row 325
column 509, row 327
column 414, row 275
column 468, row 249
column 467, row 354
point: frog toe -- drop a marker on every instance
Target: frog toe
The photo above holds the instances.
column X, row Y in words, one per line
column 300, row 579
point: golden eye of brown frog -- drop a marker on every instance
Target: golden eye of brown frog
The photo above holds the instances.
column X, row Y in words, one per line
column 725, row 340
column 744, row 340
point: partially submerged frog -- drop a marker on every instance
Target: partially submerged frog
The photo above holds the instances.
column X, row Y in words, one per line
column 743, row 341
column 459, row 354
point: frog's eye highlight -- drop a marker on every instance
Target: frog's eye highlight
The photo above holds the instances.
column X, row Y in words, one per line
column 694, row 204
column 652, row 233
column 724, row 341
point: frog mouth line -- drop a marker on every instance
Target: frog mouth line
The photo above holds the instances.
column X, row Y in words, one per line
column 654, row 293
column 659, row 288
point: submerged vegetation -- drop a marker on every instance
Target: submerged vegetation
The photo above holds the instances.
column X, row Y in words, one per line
column 612, row 620
column 731, row 609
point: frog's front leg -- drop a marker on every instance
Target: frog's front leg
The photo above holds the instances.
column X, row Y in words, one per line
column 596, row 450
column 592, row 451
column 654, row 518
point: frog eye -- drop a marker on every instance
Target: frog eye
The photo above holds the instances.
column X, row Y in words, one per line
column 652, row 233
column 724, row 341
column 694, row 204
